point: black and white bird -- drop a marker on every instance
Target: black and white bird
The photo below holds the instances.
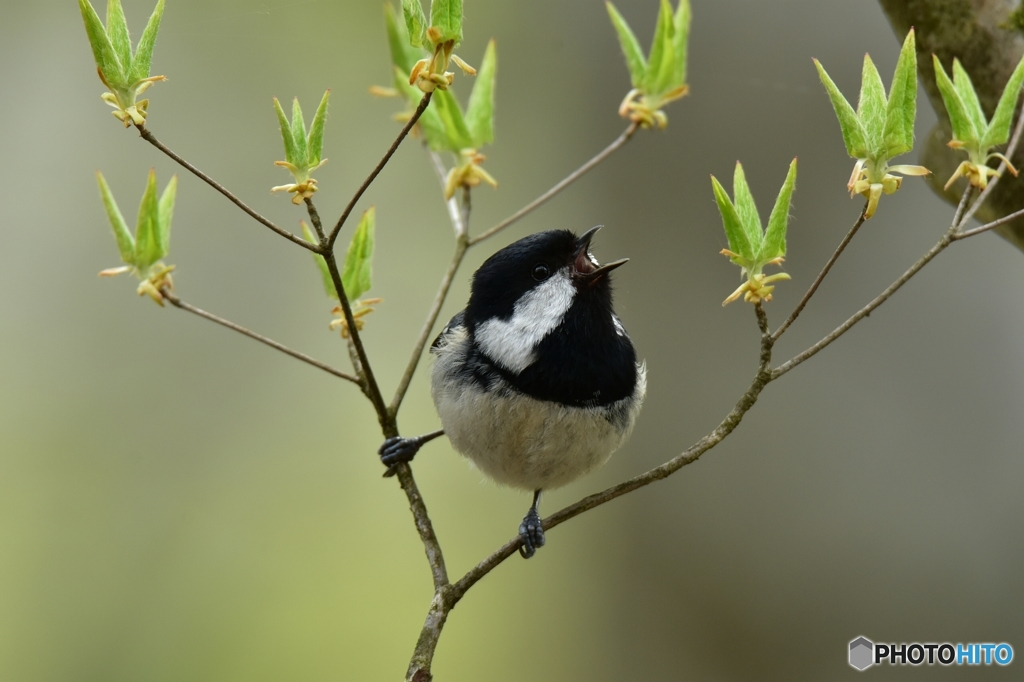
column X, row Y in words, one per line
column 536, row 381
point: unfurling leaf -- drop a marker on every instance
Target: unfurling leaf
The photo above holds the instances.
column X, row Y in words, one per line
column 445, row 21
column 750, row 247
column 480, row 111
column 143, row 252
column 415, row 22
column 661, row 78
column 303, row 153
column 775, row 236
column 635, row 61
column 880, row 128
column 355, row 276
column 126, row 76
column 971, row 131
column 125, row 241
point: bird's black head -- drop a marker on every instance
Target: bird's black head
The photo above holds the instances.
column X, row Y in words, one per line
column 541, row 313
column 556, row 265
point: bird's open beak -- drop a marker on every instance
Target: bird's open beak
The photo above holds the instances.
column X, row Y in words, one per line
column 585, row 267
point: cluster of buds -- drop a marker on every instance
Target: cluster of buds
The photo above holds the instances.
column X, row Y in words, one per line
column 659, row 78
column 972, row 131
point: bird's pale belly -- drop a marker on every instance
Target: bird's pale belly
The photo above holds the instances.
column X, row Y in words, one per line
column 527, row 443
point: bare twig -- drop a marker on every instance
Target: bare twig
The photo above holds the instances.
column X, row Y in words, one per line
column 946, row 240
column 178, row 303
column 958, row 215
column 420, row 108
column 821, row 275
column 990, row 226
column 148, row 136
column 573, row 177
column 424, row 527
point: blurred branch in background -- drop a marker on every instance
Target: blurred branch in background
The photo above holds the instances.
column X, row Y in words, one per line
column 983, row 36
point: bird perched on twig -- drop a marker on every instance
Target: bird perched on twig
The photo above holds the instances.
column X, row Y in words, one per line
column 536, row 381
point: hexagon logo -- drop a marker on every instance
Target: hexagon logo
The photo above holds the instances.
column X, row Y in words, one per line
column 862, row 652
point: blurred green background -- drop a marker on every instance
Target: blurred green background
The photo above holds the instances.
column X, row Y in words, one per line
column 178, row 502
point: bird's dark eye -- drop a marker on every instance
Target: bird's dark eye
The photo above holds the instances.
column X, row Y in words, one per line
column 541, row 272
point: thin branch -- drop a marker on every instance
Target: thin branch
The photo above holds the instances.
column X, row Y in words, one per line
column 821, row 275
column 946, row 240
column 958, row 215
column 990, row 226
column 148, row 136
column 573, row 177
column 178, row 303
column 420, row 108
column 424, row 527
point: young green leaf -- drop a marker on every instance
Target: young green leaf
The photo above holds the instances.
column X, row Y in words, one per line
column 853, row 132
column 635, row 61
column 902, row 107
column 999, row 129
column 125, row 76
column 316, row 131
column 872, row 105
column 680, row 40
column 165, row 213
column 299, row 132
column 321, row 264
column 739, row 243
column 125, row 241
column 880, row 128
column 403, row 54
column 750, row 248
column 290, row 153
column 147, row 230
column 480, row 111
column 964, row 129
column 102, row 51
column 358, row 260
column 144, row 50
column 660, row 78
column 456, row 132
column 415, row 22
column 660, row 66
column 964, row 88
column 774, row 245
column 117, row 30
column 446, row 16
column 746, row 209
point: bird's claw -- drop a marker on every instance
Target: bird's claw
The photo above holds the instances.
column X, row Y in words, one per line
column 396, row 450
column 531, row 533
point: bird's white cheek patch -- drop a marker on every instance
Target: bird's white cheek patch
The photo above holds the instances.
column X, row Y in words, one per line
column 511, row 342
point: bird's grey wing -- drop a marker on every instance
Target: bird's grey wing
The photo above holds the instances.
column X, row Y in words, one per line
column 454, row 323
